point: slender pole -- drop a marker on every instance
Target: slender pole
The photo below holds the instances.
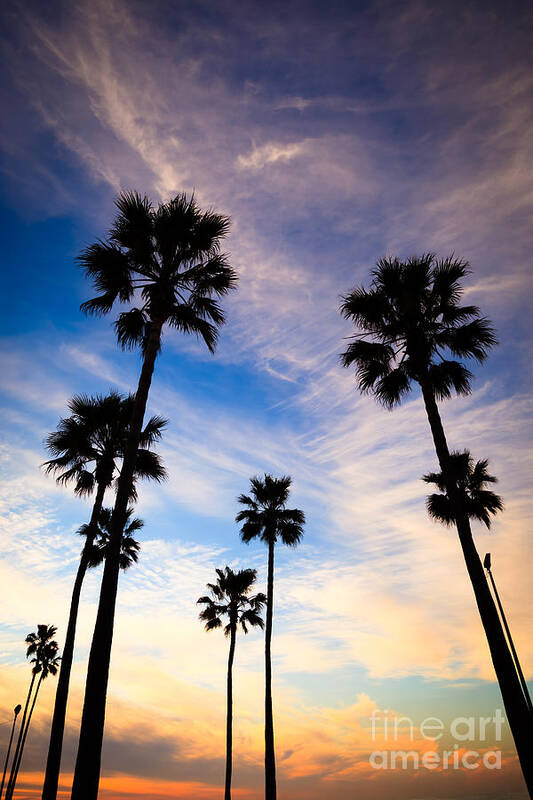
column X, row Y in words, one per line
column 21, row 733
column 487, row 564
column 229, row 713
column 11, row 787
column 16, row 712
column 270, row 756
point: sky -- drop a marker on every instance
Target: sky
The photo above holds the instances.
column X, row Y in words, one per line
column 332, row 134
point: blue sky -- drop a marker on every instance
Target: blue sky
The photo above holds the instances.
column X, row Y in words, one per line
column 332, row 135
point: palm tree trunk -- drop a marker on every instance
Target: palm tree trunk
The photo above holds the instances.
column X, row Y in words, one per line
column 11, row 788
column 513, row 699
column 55, row 747
column 229, row 714
column 270, row 756
column 88, row 761
column 8, row 752
column 21, row 733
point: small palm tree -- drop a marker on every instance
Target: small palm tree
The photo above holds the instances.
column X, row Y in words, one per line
column 266, row 517
column 169, row 257
column 130, row 547
column 43, row 650
column 412, row 329
column 87, row 448
column 16, row 712
column 231, row 599
column 471, row 479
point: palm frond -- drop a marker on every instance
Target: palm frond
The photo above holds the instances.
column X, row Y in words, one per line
column 132, row 229
column 453, row 315
column 135, row 525
column 207, row 308
column 131, row 328
column 129, row 550
column 110, row 271
column 173, row 226
column 149, row 465
column 207, row 232
column 211, row 277
column 367, row 309
column 392, row 387
column 472, row 339
column 213, row 624
column 184, row 318
column 447, row 275
column 440, row 509
column 153, row 430
column 250, row 618
column 447, row 377
column 85, row 483
column 436, row 478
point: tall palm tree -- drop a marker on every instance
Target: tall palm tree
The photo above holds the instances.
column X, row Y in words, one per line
column 87, row 448
column 412, row 329
column 169, row 258
column 266, row 517
column 16, row 712
column 231, row 598
column 471, row 478
column 43, row 650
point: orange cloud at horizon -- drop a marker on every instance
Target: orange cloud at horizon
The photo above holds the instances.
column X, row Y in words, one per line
column 322, row 753
column 119, row 787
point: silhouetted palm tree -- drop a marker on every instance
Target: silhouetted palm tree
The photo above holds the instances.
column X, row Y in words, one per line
column 87, row 448
column 413, row 329
column 129, row 549
column 16, row 712
column 43, row 650
column 479, row 503
column 169, row 257
column 471, row 479
column 266, row 517
column 231, row 598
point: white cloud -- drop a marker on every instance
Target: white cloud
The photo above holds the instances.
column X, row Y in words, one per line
column 271, row 153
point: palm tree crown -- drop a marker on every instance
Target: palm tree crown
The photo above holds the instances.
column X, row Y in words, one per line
column 87, row 445
column 169, row 259
column 413, row 329
column 43, row 650
column 265, row 515
column 471, row 479
column 129, row 548
column 231, row 598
